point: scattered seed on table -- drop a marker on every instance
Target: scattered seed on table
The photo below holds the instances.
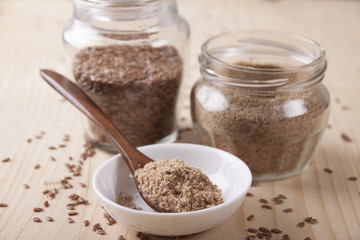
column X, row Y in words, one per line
column 36, row 219
column 38, row 209
column 96, row 226
column 288, row 210
column 49, row 219
column 52, row 148
column 121, row 237
column 82, row 184
column 37, row 166
column 262, row 200
column 250, row 218
column 307, row 238
column 100, row 231
column 260, row 235
column 46, row 203
column 70, row 220
column 53, row 159
column 249, row 194
column 251, row 230
column 327, row 170
column 73, row 213
column 285, row 237
column 345, row 137
column 300, row 224
column 279, row 202
column 3, row 205
column 352, row 178
column 6, row 160
column 29, row 140
column 46, row 191
column 70, row 208
column 275, row 230
column 251, row 237
column 86, row 223
column 264, row 230
column 26, row 186
column 264, row 206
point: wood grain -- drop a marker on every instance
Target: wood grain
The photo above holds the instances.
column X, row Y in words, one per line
column 31, row 39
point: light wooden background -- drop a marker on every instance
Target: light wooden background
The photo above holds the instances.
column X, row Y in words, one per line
column 30, row 39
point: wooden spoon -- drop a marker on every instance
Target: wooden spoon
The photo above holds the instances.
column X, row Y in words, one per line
column 74, row 94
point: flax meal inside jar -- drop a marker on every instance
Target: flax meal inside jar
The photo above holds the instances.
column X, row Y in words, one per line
column 136, row 86
column 266, row 131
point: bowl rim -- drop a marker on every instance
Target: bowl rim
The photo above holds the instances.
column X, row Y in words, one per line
column 248, row 177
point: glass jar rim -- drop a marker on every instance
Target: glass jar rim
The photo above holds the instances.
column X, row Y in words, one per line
column 291, row 61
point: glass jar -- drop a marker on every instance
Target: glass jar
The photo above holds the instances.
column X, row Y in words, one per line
column 129, row 57
column 261, row 98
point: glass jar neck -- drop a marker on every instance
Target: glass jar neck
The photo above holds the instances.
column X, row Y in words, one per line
column 126, row 15
column 263, row 62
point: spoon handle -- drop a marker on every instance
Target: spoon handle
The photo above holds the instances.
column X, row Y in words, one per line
column 79, row 99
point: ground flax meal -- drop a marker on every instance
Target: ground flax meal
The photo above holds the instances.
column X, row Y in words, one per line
column 274, row 133
column 136, row 86
column 176, row 187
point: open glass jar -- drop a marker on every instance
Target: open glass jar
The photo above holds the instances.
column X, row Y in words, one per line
column 261, row 98
column 129, row 57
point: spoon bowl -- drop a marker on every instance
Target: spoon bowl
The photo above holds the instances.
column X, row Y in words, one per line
column 227, row 171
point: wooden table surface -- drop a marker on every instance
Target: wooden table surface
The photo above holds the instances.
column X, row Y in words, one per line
column 34, row 119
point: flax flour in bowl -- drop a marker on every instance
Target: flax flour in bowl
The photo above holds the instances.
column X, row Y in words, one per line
column 229, row 173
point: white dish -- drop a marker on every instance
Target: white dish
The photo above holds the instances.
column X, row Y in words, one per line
column 230, row 174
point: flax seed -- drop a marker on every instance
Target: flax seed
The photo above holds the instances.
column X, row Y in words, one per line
column 26, row 186
column 49, row 219
column 36, row 219
column 86, row 223
column 251, row 230
column 250, row 218
column 73, row 213
column 300, row 224
column 288, row 210
column 352, row 178
column 275, row 230
column 345, row 137
column 263, row 200
column 37, row 166
column 6, row 160
column 3, row 205
column 46, row 203
column 38, row 209
column 327, row 170
column 70, row 220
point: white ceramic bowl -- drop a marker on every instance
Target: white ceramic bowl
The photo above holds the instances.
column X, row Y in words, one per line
column 230, row 174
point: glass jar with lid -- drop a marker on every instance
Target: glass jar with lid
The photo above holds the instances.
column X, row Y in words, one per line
column 261, row 98
column 129, row 57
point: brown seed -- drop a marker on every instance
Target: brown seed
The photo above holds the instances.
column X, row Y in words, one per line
column 73, row 213
column 143, row 236
column 252, row 230
column 121, row 237
column 38, row 209
column 77, row 174
column 264, row 206
column 100, row 231
column 53, row 159
column 308, row 219
column 37, row 166
column 62, row 145
column 352, row 178
column 3, row 205
column 49, row 219
column 262, row 200
column 46, row 191
column 251, row 237
column 313, row 221
column 282, row 196
column 86, row 223
column 36, row 219
column 51, row 195
column 300, row 224
column 275, row 230
column 288, row 210
column 264, row 230
column 250, row 218
column 70, row 220
column 307, row 238
column 29, row 140
column 285, row 237
column 26, row 186
column 249, row 194
column 96, row 226
column 46, row 203
column 52, row 148
column 279, row 202
column 345, row 137
column 260, row 235
column 82, row 185
column 6, row 160
column 327, row 170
